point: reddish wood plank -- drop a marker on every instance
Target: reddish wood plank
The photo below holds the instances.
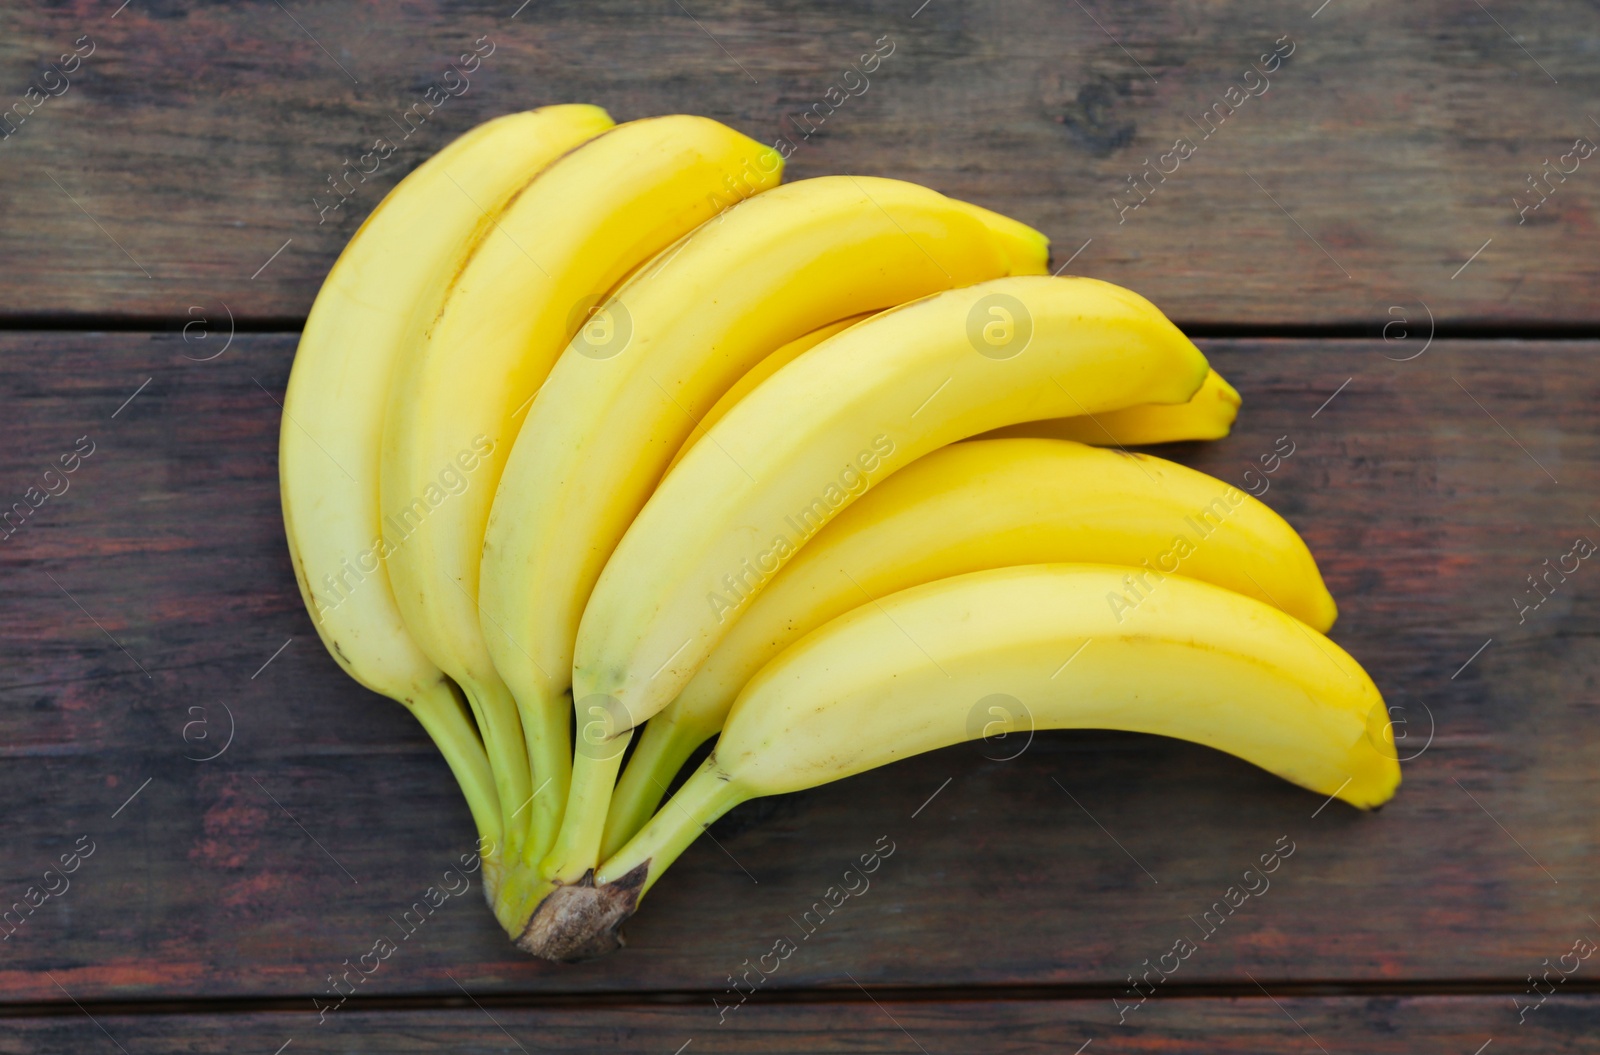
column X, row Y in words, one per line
column 1260, row 1025
column 185, row 162
column 1425, row 513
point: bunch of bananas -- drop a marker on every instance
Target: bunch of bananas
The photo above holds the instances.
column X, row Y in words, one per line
column 594, row 427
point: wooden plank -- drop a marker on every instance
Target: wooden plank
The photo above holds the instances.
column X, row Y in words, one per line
column 186, row 161
column 1230, row 1026
column 1428, row 488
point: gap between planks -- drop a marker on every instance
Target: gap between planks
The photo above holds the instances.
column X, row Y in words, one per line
column 954, row 994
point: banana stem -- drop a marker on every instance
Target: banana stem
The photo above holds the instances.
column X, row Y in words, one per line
column 663, row 748
column 546, row 725
column 703, row 798
column 577, row 847
column 441, row 713
column 520, row 892
column 501, row 725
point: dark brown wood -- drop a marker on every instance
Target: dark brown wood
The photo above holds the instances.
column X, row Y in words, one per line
column 1232, row 1026
column 185, row 162
column 158, row 583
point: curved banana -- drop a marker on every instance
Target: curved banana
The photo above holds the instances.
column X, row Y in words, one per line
column 631, row 386
column 395, row 266
column 785, row 355
column 1012, row 649
column 455, row 407
column 969, row 507
column 837, row 420
column 1209, row 415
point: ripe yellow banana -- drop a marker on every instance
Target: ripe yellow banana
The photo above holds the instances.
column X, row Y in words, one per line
column 837, row 420
column 632, row 384
column 456, row 405
column 395, row 268
column 1015, row 649
column 970, row 507
column 1209, row 415
column 757, row 374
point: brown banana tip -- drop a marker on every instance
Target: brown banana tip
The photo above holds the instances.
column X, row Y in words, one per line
column 581, row 921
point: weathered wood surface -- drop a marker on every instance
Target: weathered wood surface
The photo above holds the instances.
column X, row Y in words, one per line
column 179, row 163
column 158, row 583
column 1258, row 1025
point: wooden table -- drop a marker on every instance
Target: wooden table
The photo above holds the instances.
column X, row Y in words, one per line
column 1351, row 244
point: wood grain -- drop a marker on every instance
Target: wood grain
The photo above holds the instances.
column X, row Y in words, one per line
column 158, row 583
column 1232, row 1026
column 185, row 163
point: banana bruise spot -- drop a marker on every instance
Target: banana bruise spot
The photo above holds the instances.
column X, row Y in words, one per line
column 581, row 921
